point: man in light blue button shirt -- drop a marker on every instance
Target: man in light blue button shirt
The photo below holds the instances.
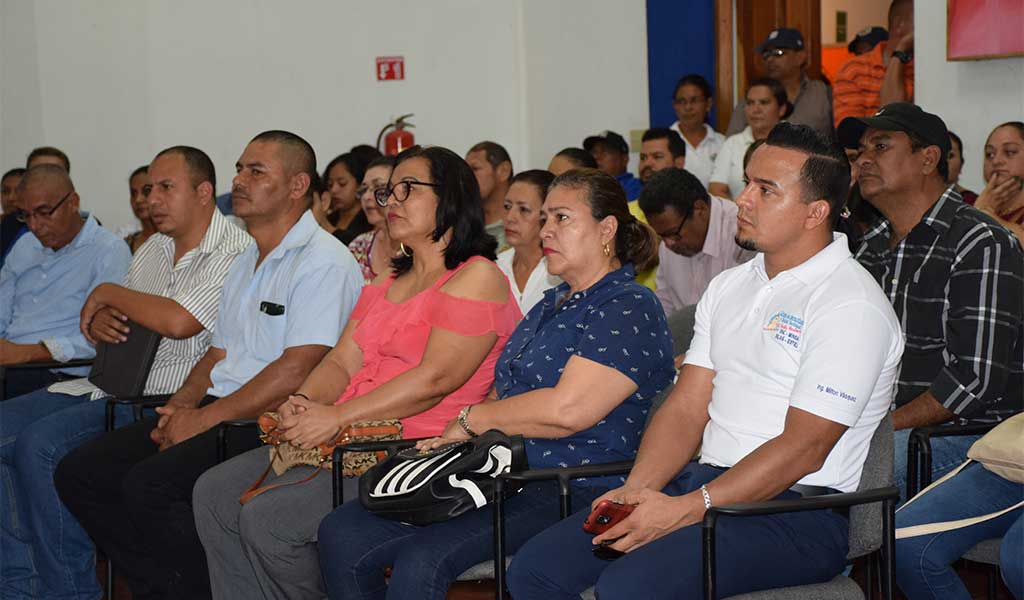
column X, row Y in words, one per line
column 284, row 304
column 48, row 275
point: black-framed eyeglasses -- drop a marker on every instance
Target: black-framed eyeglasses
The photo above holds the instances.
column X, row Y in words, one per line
column 773, row 52
column 42, row 213
column 401, row 191
column 675, row 233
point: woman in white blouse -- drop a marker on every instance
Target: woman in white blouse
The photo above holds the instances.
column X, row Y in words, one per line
column 767, row 104
column 524, row 263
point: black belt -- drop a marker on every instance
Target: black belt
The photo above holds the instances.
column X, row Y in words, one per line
column 813, row 490
column 808, row 491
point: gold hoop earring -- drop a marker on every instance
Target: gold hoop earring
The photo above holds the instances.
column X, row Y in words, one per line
column 607, row 250
column 405, row 251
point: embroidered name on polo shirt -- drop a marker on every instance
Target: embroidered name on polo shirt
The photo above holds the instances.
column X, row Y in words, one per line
column 786, row 327
column 837, row 393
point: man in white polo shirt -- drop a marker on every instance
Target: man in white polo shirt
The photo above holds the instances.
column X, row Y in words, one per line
column 791, row 369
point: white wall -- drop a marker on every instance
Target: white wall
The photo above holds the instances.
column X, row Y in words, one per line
column 112, row 82
column 860, row 14
column 972, row 97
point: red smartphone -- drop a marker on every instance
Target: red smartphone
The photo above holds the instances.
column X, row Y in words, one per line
column 606, row 515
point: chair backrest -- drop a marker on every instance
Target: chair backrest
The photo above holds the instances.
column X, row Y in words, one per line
column 680, row 327
column 866, row 519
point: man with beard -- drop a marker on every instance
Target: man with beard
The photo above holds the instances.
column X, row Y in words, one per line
column 660, row 148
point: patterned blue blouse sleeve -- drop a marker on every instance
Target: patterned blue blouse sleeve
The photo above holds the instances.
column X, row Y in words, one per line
column 628, row 332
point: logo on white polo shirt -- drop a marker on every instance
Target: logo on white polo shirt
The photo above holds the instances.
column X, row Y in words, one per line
column 786, row 328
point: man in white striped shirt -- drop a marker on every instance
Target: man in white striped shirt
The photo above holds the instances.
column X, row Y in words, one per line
column 173, row 287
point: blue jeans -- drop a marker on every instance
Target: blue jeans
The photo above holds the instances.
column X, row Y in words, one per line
column 947, row 454
column 356, row 546
column 923, row 563
column 46, row 553
column 1011, row 558
column 753, row 553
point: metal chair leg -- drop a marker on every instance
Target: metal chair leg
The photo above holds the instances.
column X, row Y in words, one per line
column 111, row 593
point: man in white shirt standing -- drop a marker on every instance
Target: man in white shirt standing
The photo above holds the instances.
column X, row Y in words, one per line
column 697, row 233
column 790, row 371
column 692, row 100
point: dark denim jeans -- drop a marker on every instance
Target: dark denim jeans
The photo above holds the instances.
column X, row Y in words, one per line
column 356, row 546
column 923, row 563
column 753, row 553
column 45, row 552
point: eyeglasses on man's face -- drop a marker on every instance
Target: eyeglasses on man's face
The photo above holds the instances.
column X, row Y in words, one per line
column 675, row 234
column 400, row 190
column 42, row 213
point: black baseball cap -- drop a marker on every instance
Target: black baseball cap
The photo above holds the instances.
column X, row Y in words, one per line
column 872, row 35
column 897, row 116
column 612, row 139
column 784, row 37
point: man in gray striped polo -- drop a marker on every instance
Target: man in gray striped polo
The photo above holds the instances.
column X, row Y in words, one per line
column 173, row 287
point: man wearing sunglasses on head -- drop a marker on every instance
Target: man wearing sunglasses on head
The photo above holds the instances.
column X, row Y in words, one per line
column 48, row 275
column 785, row 59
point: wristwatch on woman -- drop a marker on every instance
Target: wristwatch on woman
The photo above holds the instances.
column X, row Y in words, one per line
column 463, row 420
column 904, row 57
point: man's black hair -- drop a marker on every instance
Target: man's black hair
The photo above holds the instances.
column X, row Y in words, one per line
column 675, row 188
column 825, row 174
column 579, row 157
column 299, row 155
column 49, row 151
column 495, row 154
column 676, row 145
column 200, row 167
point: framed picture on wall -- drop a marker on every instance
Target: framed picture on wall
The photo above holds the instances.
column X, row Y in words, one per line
column 982, row 29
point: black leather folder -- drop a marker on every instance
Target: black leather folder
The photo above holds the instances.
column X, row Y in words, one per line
column 121, row 369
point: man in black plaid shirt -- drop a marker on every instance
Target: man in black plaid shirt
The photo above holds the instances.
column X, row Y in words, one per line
column 954, row 276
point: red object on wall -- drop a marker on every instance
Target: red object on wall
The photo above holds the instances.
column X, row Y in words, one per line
column 397, row 140
column 984, row 29
column 390, row 68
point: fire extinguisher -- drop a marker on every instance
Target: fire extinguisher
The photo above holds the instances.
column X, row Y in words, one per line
column 398, row 138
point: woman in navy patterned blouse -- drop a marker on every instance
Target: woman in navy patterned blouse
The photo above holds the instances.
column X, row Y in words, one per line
column 576, row 379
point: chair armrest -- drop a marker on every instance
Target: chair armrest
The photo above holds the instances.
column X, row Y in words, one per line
column 53, row 364
column 919, row 450
column 771, row 507
column 238, row 423
column 569, row 473
column 138, row 403
column 888, row 495
column 951, row 429
column 222, row 434
column 389, row 446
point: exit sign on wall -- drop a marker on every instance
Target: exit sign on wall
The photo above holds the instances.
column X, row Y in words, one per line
column 390, row 68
